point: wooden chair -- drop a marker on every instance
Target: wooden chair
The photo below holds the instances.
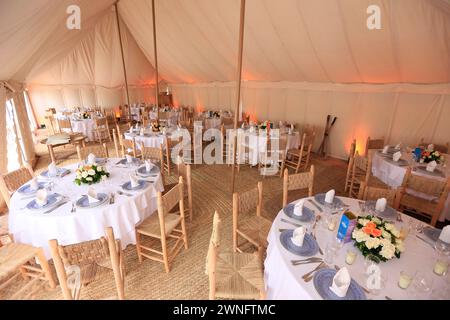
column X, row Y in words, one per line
column 373, row 193
column 156, row 155
column 18, row 261
column 297, row 181
column 65, row 126
column 298, row 159
column 373, row 144
column 361, row 167
column 233, row 275
column 352, row 150
column 184, row 170
column 101, row 129
column 169, row 145
column 11, row 181
column 164, row 226
column 442, row 148
column 99, row 150
column 128, row 146
column 350, row 166
column 252, row 228
column 91, row 257
column 435, row 190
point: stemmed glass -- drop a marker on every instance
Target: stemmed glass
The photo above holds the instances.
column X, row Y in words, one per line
column 423, row 283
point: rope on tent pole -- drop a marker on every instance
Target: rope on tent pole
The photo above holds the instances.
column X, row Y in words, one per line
column 121, row 51
column 238, row 90
column 156, row 60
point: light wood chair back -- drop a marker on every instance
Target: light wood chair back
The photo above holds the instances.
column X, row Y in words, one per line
column 360, row 172
column 367, row 193
column 164, row 225
column 65, row 126
column 102, row 129
column 373, row 144
column 11, row 181
column 297, row 181
column 88, row 255
column 184, row 170
column 99, row 150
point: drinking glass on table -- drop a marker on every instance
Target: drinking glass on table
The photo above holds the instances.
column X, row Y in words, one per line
column 422, row 284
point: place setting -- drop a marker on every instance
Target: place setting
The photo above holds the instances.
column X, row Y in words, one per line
column 381, row 209
column 54, row 172
column 92, row 199
column 128, row 161
column 46, row 203
column 134, row 184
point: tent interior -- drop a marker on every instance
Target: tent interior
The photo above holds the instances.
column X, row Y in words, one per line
column 302, row 61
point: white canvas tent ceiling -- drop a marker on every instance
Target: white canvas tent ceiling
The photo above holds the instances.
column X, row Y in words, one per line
column 302, row 59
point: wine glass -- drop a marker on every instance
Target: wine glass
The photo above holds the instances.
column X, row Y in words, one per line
column 422, row 283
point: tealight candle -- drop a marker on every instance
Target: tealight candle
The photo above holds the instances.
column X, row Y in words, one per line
column 332, row 225
column 351, row 257
column 405, row 280
column 441, row 267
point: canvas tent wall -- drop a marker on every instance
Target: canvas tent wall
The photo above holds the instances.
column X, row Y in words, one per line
column 303, row 59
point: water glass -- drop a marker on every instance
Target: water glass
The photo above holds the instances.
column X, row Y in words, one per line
column 330, row 253
column 405, row 279
column 423, row 283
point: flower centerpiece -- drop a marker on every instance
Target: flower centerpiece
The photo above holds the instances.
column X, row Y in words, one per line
column 215, row 114
column 89, row 174
column 428, row 156
column 266, row 124
column 377, row 238
column 85, row 115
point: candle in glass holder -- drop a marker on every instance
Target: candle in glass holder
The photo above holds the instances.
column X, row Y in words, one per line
column 351, row 257
column 404, row 231
column 405, row 280
column 441, row 267
column 332, row 225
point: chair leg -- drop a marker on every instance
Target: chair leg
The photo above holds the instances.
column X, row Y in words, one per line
column 183, row 229
column 165, row 257
column 138, row 246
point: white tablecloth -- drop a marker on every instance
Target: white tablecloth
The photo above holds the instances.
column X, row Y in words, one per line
column 155, row 140
column 393, row 175
column 284, row 281
column 37, row 229
column 84, row 126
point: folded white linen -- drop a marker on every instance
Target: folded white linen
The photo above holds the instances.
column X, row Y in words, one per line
column 34, row 184
column 148, row 165
column 431, row 166
column 129, row 158
column 385, row 149
column 298, row 236
column 341, row 282
column 134, row 181
column 398, row 146
column 91, row 158
column 41, row 197
column 396, row 156
column 52, row 169
column 380, row 205
column 92, row 195
column 298, row 208
column 445, row 234
column 329, row 196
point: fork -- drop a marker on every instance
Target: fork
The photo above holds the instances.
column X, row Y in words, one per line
column 290, row 222
column 124, row 194
column 311, row 273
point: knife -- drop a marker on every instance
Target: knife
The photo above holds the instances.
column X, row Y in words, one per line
column 316, row 205
column 54, row 208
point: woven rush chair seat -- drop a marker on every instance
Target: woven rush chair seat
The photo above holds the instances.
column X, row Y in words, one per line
column 14, row 255
column 298, row 181
column 150, row 226
column 419, row 204
column 11, row 181
column 239, row 276
column 254, row 228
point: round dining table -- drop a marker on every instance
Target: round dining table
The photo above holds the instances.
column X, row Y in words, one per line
column 284, row 280
column 392, row 174
column 85, row 127
column 70, row 224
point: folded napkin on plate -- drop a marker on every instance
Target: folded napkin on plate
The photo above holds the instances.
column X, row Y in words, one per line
column 141, row 132
column 445, row 234
column 34, row 184
column 430, row 147
column 41, row 197
column 129, row 158
column 385, row 149
column 431, row 166
column 131, row 130
column 91, row 158
column 380, row 205
column 298, row 236
column 398, row 146
column 243, row 125
column 396, row 156
column 329, row 196
column 137, row 126
column 92, row 195
column 298, row 208
column 52, row 170
column 341, row 282
column 134, row 181
column 148, row 166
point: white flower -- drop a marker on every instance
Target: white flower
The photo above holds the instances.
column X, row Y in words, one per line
column 388, row 226
column 376, row 220
column 400, row 245
column 91, row 172
column 388, row 251
column 359, row 235
column 84, row 174
column 99, row 168
column 104, row 178
column 386, row 235
column 89, row 179
column 395, row 233
column 372, row 243
column 363, row 221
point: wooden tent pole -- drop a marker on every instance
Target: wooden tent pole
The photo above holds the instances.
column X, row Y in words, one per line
column 123, row 58
column 238, row 90
column 156, row 60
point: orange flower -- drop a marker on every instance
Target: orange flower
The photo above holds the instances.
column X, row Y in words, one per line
column 371, row 225
column 376, row 232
